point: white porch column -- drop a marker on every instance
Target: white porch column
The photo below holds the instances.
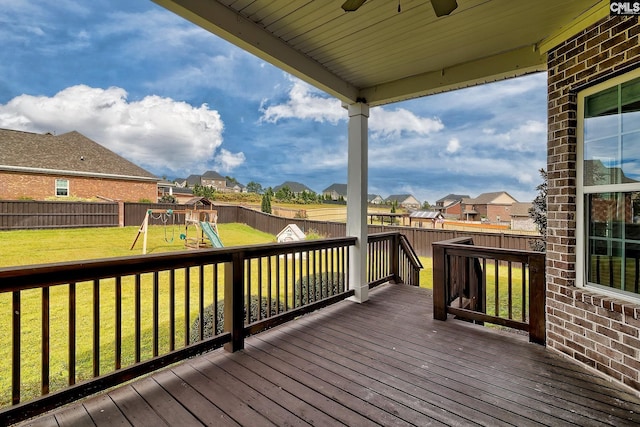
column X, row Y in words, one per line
column 357, row 179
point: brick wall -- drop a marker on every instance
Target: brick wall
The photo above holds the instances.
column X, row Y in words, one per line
column 600, row 332
column 15, row 186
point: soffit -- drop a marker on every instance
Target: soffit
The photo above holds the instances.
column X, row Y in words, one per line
column 384, row 56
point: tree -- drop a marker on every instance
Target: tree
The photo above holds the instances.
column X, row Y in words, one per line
column 254, row 187
column 426, row 206
column 538, row 213
column 266, row 202
column 284, row 194
column 204, row 191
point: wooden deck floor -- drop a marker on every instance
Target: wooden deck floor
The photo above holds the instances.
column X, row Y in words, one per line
column 385, row 362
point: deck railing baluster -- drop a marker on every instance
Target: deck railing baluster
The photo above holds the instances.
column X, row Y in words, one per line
column 118, row 328
column 156, row 313
column 172, row 309
column 137, row 318
column 45, row 341
column 96, row 328
column 16, row 339
column 201, row 303
column 72, row 334
column 187, row 305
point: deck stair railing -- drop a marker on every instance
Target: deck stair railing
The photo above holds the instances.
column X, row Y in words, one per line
column 490, row 285
column 75, row 328
column 391, row 258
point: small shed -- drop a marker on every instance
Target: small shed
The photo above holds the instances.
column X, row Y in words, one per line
column 291, row 233
column 433, row 217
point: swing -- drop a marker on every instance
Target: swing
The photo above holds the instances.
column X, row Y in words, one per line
column 164, row 217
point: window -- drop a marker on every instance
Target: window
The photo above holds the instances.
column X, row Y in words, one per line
column 62, row 187
column 609, row 185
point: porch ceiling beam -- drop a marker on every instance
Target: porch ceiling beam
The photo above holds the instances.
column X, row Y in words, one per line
column 227, row 24
column 498, row 67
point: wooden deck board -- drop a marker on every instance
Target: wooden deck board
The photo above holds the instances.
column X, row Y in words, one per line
column 386, row 362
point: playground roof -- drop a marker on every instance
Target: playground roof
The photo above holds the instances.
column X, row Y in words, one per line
column 71, row 153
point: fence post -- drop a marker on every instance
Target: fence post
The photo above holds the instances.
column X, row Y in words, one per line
column 234, row 302
column 120, row 213
column 439, row 283
column 537, row 299
column 395, row 258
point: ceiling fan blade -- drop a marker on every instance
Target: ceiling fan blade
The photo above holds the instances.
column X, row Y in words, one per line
column 352, row 5
column 443, row 7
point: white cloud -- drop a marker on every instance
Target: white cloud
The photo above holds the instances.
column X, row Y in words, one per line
column 453, row 145
column 155, row 132
column 304, row 104
column 392, row 123
column 226, row 161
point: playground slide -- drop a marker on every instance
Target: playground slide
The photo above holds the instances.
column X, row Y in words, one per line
column 212, row 235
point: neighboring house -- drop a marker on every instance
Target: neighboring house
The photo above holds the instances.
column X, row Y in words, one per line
column 492, row 207
column 295, row 187
column 406, row 201
column 374, row 199
column 235, row 187
column 335, row 192
column 520, row 218
column 211, row 179
column 45, row 166
column 451, row 205
column 181, row 194
column 429, row 217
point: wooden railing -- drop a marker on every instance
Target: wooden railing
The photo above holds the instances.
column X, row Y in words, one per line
column 498, row 286
column 77, row 328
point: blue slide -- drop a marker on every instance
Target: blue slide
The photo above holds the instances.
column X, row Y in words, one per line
column 212, row 235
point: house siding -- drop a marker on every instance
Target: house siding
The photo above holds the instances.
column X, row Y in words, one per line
column 600, row 332
column 15, row 186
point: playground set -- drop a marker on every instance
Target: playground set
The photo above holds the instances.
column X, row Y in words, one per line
column 200, row 228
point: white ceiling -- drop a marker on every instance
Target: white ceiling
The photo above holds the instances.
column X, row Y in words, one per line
column 383, row 56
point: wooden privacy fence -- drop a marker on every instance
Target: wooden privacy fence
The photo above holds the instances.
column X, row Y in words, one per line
column 30, row 215
column 20, row 215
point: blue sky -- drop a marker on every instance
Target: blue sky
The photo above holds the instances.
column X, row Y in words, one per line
column 178, row 100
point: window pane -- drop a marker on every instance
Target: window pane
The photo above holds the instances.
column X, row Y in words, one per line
column 631, row 157
column 602, row 165
column 605, row 263
column 62, row 187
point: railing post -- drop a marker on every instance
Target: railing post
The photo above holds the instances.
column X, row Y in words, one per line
column 234, row 302
column 439, row 283
column 537, row 299
column 395, row 258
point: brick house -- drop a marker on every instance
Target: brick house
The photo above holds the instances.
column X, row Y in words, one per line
column 593, row 295
column 45, row 166
column 296, row 188
column 493, row 207
column 451, row 205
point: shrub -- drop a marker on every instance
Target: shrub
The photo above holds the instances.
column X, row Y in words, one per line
column 323, row 285
column 194, row 333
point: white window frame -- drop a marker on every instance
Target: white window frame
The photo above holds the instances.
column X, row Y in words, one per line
column 581, row 225
column 59, row 187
